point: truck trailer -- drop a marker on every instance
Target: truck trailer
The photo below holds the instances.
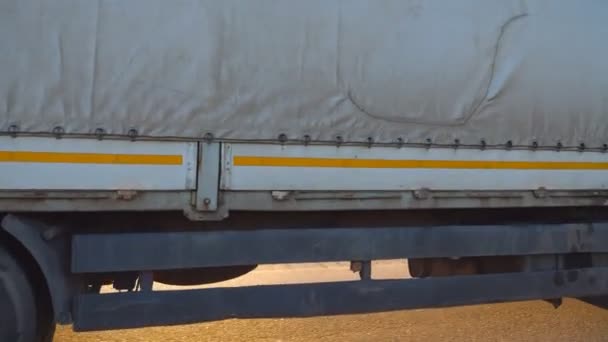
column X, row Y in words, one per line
column 187, row 142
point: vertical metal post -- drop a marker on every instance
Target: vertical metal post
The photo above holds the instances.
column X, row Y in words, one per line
column 146, row 280
column 364, row 268
column 208, row 176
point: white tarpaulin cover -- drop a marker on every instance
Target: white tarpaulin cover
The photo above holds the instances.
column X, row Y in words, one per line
column 252, row 69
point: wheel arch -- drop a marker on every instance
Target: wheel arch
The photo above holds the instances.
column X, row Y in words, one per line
column 46, row 258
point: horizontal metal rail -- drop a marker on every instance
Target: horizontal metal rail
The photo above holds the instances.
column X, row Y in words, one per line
column 139, row 309
column 178, row 250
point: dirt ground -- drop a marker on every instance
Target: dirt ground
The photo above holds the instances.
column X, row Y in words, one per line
column 523, row 321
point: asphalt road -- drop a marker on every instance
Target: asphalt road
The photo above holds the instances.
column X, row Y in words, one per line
column 523, row 321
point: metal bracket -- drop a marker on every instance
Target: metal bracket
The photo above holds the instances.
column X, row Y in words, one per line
column 49, row 248
column 208, row 176
column 364, row 268
column 146, row 280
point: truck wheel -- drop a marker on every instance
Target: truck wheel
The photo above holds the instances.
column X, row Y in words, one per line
column 48, row 332
column 46, row 323
column 18, row 318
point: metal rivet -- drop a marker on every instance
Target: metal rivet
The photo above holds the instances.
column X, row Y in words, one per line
column 132, row 133
column 483, row 144
column 99, row 133
column 422, row 194
column 282, row 138
column 339, row 140
column 208, row 137
column 541, row 192
column 13, row 130
column 534, row 144
column 509, row 144
column 582, row 147
column 58, row 131
column 559, row 145
column 306, row 139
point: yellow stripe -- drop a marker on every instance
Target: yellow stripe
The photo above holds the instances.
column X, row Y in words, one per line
column 414, row 164
column 90, row 158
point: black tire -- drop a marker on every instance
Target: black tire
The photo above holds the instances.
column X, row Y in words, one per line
column 46, row 322
column 18, row 316
column 48, row 332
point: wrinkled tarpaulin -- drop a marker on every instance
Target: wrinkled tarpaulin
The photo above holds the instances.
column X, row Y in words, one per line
column 252, row 69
